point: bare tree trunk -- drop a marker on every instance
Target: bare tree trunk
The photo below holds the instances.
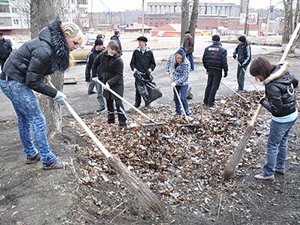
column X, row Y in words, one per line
column 288, row 22
column 184, row 19
column 246, row 18
column 41, row 13
column 194, row 18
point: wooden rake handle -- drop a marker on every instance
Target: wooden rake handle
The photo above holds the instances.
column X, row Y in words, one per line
column 128, row 103
column 84, row 126
column 177, row 94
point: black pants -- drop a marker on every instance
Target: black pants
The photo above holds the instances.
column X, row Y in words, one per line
column 213, row 83
column 2, row 61
column 120, row 110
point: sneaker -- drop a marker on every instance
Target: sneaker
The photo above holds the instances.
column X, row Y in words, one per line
column 33, row 159
column 280, row 171
column 262, row 176
column 190, row 118
column 100, row 109
column 93, row 92
column 136, row 105
column 55, row 165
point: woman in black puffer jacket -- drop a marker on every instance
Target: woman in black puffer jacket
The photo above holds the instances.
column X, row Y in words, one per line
column 280, row 100
column 24, row 71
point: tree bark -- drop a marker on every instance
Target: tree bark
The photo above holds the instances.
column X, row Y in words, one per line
column 184, row 19
column 194, row 18
column 41, row 13
column 288, row 23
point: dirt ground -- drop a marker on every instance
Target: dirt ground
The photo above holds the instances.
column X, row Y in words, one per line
column 91, row 193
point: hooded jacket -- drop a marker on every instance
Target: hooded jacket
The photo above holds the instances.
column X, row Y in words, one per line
column 280, row 93
column 244, row 53
column 180, row 72
column 112, row 73
column 44, row 55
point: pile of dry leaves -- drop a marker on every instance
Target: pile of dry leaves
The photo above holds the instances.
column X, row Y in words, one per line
column 178, row 160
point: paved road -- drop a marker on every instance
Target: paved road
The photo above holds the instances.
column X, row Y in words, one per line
column 83, row 103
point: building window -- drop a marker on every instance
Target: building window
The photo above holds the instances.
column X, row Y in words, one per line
column 16, row 22
column 4, row 8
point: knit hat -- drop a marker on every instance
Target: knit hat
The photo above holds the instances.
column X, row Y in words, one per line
column 142, row 38
column 181, row 51
column 187, row 32
column 98, row 41
column 117, row 32
column 216, row 37
column 242, row 39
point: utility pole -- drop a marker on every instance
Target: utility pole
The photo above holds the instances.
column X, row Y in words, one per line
column 143, row 16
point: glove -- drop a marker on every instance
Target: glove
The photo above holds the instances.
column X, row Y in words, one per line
column 243, row 65
column 106, row 86
column 263, row 101
column 134, row 71
column 234, row 56
column 225, row 74
column 149, row 70
column 60, row 98
column 173, row 84
column 48, row 78
column 168, row 73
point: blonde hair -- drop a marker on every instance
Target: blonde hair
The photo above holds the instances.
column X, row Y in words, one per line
column 73, row 31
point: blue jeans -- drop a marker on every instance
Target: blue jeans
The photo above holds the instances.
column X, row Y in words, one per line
column 277, row 146
column 29, row 116
column 191, row 59
column 100, row 97
column 182, row 91
column 240, row 75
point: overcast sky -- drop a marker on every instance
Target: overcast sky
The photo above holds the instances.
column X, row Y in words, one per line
column 122, row 5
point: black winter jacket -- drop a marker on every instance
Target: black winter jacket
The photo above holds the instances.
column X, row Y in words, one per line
column 280, row 93
column 112, row 73
column 5, row 48
column 89, row 64
column 117, row 39
column 215, row 57
column 244, row 53
column 41, row 56
column 142, row 61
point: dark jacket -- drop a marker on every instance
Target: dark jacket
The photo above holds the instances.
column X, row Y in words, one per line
column 116, row 38
column 244, row 53
column 47, row 53
column 215, row 57
column 142, row 61
column 188, row 43
column 112, row 73
column 280, row 93
column 5, row 48
column 89, row 64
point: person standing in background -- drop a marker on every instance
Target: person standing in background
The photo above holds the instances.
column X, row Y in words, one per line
column 5, row 49
column 214, row 61
column 142, row 61
column 116, row 37
column 96, row 50
column 242, row 54
column 188, row 43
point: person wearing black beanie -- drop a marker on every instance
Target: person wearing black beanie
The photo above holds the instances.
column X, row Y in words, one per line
column 214, row 61
column 242, row 53
column 188, row 43
column 95, row 51
column 179, row 66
